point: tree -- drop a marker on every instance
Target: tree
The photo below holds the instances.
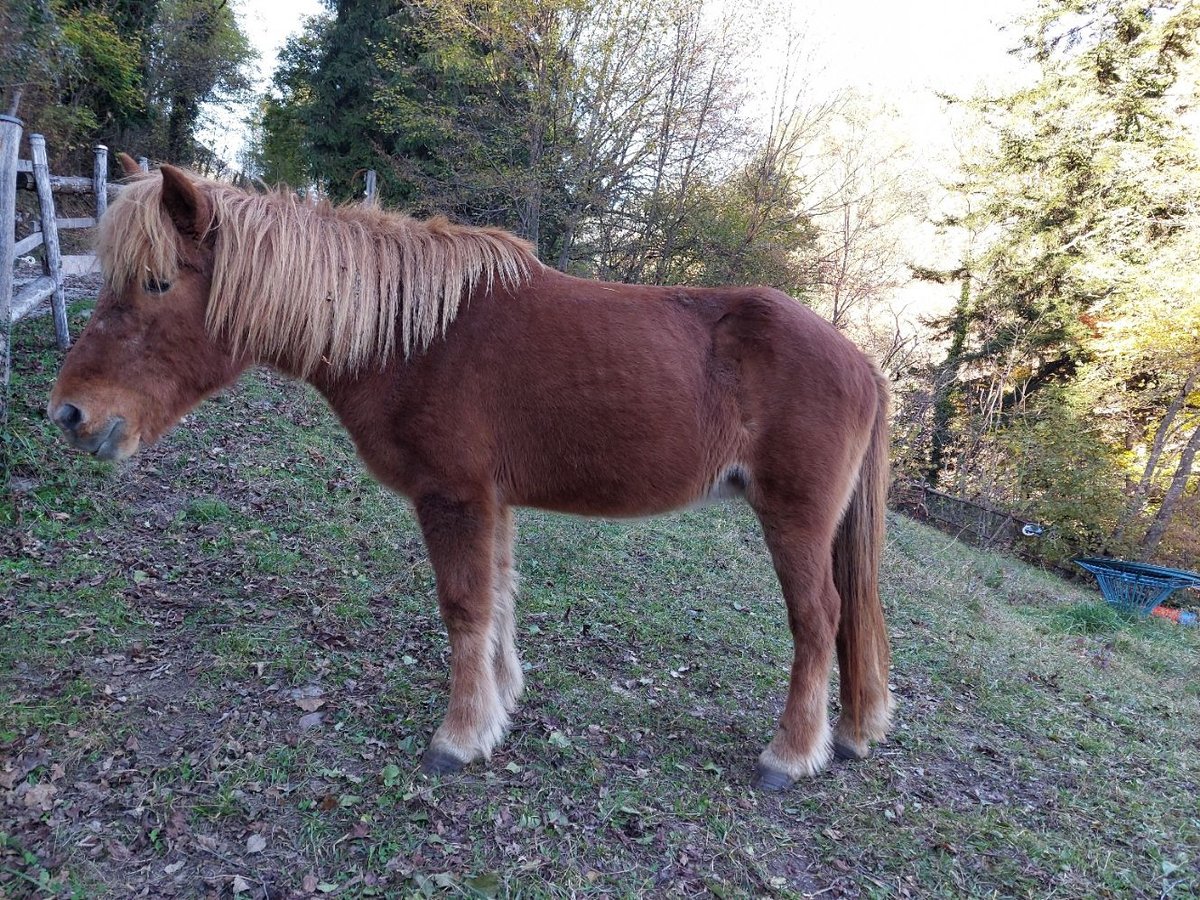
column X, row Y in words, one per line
column 604, row 132
column 1084, row 207
column 280, row 150
column 197, row 55
column 69, row 71
column 35, row 52
column 104, row 92
column 131, row 73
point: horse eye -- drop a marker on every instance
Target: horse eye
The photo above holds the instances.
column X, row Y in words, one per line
column 154, row 286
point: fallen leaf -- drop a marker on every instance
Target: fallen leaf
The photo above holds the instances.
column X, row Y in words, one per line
column 14, row 774
column 40, row 796
column 310, row 883
column 240, row 884
column 173, row 867
column 310, row 704
column 256, row 843
column 310, row 721
column 487, row 884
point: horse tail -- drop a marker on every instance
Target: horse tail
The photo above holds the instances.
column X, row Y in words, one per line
column 862, row 642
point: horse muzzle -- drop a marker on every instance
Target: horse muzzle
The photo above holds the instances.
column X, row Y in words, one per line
column 104, row 442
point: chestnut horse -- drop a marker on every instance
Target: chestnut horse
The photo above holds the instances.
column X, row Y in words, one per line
column 474, row 379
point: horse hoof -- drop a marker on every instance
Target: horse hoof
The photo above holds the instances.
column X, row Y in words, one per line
column 847, row 752
column 772, row 780
column 440, row 762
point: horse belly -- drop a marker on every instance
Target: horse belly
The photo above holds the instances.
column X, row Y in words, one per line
column 629, row 453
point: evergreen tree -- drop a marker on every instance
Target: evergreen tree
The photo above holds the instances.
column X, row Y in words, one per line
column 1085, row 198
column 135, row 74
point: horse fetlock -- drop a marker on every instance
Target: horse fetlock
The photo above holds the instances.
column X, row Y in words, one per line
column 874, row 723
column 477, row 740
column 881, row 723
column 782, row 760
column 853, row 741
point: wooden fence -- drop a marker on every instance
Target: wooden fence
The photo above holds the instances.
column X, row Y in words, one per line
column 34, row 174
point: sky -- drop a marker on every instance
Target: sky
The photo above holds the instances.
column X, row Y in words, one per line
column 916, row 45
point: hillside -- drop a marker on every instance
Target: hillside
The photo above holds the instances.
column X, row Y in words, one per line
column 221, row 662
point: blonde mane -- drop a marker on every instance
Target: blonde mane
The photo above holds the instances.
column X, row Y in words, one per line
column 345, row 286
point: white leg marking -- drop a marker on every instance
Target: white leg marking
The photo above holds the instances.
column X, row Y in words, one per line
column 807, row 764
column 510, row 679
column 476, row 721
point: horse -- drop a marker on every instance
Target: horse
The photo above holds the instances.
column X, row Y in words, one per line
column 474, row 379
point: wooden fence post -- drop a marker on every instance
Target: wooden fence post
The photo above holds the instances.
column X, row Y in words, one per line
column 144, row 163
column 52, row 263
column 371, row 195
column 100, row 180
column 10, row 144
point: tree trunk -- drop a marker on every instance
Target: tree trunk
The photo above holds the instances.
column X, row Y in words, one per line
column 1138, row 501
column 1166, row 511
column 564, row 253
column 179, row 130
column 946, row 386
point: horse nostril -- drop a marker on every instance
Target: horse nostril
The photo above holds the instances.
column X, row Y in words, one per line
column 68, row 416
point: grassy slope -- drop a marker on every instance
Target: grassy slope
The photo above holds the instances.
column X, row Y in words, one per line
column 170, row 626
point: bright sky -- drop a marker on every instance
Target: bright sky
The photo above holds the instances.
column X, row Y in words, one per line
column 917, row 45
column 269, row 23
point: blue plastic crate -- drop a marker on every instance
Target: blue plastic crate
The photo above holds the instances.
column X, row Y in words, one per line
column 1136, row 588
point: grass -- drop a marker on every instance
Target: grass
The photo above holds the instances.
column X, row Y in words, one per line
column 171, row 624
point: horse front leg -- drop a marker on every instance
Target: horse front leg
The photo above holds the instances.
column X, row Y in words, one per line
column 460, row 536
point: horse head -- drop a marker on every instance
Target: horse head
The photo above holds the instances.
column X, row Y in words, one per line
column 146, row 356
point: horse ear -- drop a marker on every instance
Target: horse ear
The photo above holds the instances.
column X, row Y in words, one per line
column 128, row 164
column 185, row 204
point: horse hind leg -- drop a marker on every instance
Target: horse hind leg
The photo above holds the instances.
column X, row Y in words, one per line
column 460, row 537
column 802, row 744
column 510, row 679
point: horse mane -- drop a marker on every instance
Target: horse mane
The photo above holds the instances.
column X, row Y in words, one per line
column 310, row 284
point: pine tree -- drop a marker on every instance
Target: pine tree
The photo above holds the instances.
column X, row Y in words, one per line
column 1082, row 187
column 1082, row 204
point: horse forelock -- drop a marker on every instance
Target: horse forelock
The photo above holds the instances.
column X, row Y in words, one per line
column 136, row 240
column 345, row 287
